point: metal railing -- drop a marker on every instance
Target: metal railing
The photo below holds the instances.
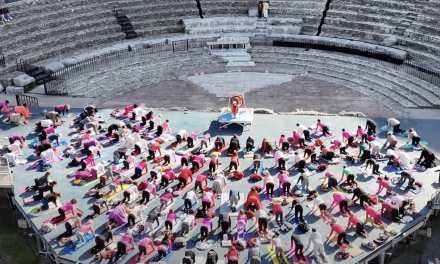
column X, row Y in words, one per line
column 30, row 101
column 119, row 57
column 55, row 86
column 154, row 50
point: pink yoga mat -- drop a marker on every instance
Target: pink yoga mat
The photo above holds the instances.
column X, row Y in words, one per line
column 9, row 114
column 335, row 208
column 292, row 254
column 21, row 190
column 70, row 114
column 28, row 200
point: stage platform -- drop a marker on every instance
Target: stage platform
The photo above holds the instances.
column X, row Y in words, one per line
column 244, row 118
column 263, row 126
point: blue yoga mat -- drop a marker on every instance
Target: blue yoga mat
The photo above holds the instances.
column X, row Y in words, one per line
column 103, row 155
column 67, row 249
column 399, row 170
column 260, row 171
column 419, row 190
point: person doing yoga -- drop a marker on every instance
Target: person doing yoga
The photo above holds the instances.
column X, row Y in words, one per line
column 374, row 165
column 219, row 143
column 318, row 203
column 298, row 210
column 427, row 158
column 340, row 232
column 353, row 220
column 250, row 144
column 302, row 130
column 310, row 152
column 280, row 160
column 370, row 126
column 392, row 140
column 395, row 124
column 50, row 198
column 235, row 162
column 332, row 181
column 65, row 209
column 347, row 136
column 234, row 144
column 283, row 144
column 184, row 175
column 360, row 195
column 266, row 146
column 413, row 137
column 361, row 134
column 285, row 182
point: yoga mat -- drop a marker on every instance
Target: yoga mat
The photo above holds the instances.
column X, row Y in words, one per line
column 253, row 149
column 185, row 149
column 272, row 255
column 167, row 208
column 70, row 249
column 335, row 207
column 385, row 128
column 260, row 170
column 352, row 249
column 292, row 253
column 176, row 225
column 9, row 114
column 118, row 191
column 69, row 216
column 419, row 190
column 133, row 198
column 225, row 206
column 70, row 114
column 21, row 190
column 40, row 213
column 396, row 170
column 103, row 155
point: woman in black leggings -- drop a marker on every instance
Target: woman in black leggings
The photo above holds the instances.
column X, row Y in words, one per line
column 350, row 180
column 298, row 210
column 269, row 188
column 373, row 164
column 360, row 195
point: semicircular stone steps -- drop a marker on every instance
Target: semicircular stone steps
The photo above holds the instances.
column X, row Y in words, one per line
column 380, row 82
column 134, row 74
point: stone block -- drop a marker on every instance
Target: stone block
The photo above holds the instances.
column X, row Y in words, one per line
column 23, row 80
column 14, row 90
column 2, row 89
column 253, row 12
column 69, row 62
column 54, row 66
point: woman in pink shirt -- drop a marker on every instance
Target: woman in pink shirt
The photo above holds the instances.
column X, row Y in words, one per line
column 199, row 180
column 347, row 136
column 165, row 198
column 277, row 210
column 83, row 230
column 242, row 216
column 206, row 227
column 371, row 212
column 184, row 159
column 197, row 163
column 167, row 177
column 354, row 221
column 276, row 242
column 122, row 246
column 283, row 144
column 65, row 209
column 342, row 235
column 206, row 140
column 360, row 132
column 143, row 245
column 62, row 109
column 207, row 200
column 319, row 126
column 383, row 184
column 169, row 222
column 150, row 189
column 284, row 182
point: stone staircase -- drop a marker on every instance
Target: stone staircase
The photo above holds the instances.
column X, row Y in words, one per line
column 234, row 58
column 126, row 25
column 390, row 87
column 243, row 26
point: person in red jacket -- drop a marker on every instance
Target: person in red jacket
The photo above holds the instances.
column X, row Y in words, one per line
column 152, row 150
column 199, row 181
column 340, row 231
column 277, row 210
column 183, row 177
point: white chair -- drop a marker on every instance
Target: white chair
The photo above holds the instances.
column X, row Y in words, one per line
column 47, row 155
column 46, row 123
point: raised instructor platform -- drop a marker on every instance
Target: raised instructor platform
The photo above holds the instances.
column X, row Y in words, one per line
column 233, row 114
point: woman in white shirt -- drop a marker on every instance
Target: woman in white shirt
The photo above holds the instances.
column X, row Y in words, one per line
column 131, row 190
column 413, row 137
column 167, row 157
column 268, row 182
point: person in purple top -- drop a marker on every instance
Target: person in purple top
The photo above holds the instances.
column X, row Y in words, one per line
column 62, row 109
column 14, row 138
column 4, row 104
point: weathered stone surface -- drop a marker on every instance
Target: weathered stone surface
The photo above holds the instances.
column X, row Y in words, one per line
column 23, row 80
column 391, row 41
column 2, row 89
column 253, row 12
column 69, row 62
column 14, row 90
column 54, row 66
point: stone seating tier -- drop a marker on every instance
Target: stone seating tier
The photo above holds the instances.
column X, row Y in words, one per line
column 404, row 89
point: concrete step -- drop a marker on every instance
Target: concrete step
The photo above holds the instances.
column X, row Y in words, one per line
column 229, row 53
column 241, row 64
column 237, row 59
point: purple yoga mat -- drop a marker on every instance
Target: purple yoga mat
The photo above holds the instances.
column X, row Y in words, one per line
column 59, row 158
